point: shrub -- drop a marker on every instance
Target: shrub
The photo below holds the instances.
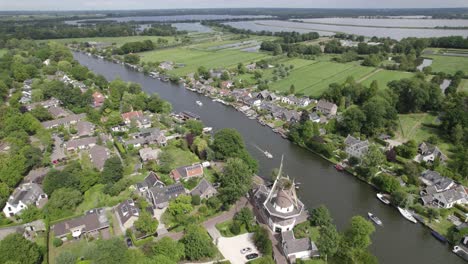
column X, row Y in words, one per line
column 196, row 199
column 57, row 242
column 235, row 228
column 262, row 241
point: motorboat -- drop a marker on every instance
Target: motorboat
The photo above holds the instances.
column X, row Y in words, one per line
column 375, row 219
column 268, row 154
column 406, row 214
column 338, row 167
column 199, row 103
column 438, row 236
column 382, row 198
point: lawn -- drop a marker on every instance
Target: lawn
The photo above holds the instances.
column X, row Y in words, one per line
column 94, row 198
column 181, row 157
column 385, row 76
column 193, row 58
column 119, row 41
column 313, row 77
column 75, row 247
column 3, row 52
column 449, row 64
column 463, row 85
column 418, row 127
column 224, row 229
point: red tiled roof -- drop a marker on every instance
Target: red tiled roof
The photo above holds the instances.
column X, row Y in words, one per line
column 131, row 115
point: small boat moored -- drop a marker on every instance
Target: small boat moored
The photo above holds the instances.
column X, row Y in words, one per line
column 438, row 236
column 382, row 198
column 338, row 167
column 199, row 103
column 406, row 214
column 375, row 219
column 268, row 154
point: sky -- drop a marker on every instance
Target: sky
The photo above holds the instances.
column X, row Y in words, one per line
column 6, row 5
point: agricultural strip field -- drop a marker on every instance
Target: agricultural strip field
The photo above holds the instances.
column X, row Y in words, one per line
column 314, row 77
column 196, row 58
column 384, row 76
column 119, row 41
column 449, row 64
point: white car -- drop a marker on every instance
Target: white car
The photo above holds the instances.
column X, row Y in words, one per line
column 246, row 250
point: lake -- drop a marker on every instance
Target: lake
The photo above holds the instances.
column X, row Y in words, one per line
column 327, row 30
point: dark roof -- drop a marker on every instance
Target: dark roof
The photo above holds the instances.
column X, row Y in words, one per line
column 202, row 187
column 150, row 181
column 91, row 221
column 127, row 210
column 434, row 178
column 165, row 194
column 99, row 155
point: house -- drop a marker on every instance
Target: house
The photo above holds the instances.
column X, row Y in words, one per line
column 166, row 65
column 150, row 181
column 314, row 117
column 185, row 115
column 328, row 108
column 25, row 195
column 294, row 249
column 89, row 224
column 278, row 206
column 226, row 84
column 147, row 154
column 160, row 196
column 127, row 213
column 216, row 73
column 251, row 67
column 204, row 189
column 81, row 143
column 290, row 116
column 287, row 100
column 84, row 128
column 58, row 112
column 129, row 116
column 146, row 136
column 354, row 147
column 99, row 155
column 254, row 102
column 445, row 199
column 434, row 179
column 46, row 104
column 36, row 175
column 143, row 122
column 428, row 153
column 66, row 121
column 266, row 95
column 187, row 172
column 98, row 99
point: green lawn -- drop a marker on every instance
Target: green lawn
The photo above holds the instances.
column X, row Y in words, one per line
column 75, row 247
column 224, row 229
column 385, row 76
column 94, row 198
column 2, row 52
column 314, row 77
column 463, row 85
column 119, row 41
column 193, row 58
column 181, row 157
column 417, row 127
column 449, row 64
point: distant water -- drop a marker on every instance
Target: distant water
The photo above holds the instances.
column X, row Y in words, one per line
column 165, row 18
column 192, row 27
column 424, row 64
column 392, row 22
column 327, row 30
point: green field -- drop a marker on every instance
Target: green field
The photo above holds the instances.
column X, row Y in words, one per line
column 2, row 52
column 314, row 77
column 193, row 58
column 449, row 64
column 463, row 85
column 384, row 76
column 119, row 41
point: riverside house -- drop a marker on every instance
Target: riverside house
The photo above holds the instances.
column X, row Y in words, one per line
column 187, row 172
column 25, row 195
column 355, row 147
column 327, row 108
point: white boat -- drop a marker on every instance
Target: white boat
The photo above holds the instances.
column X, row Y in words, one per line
column 406, row 214
column 207, row 129
column 382, row 198
column 199, row 103
column 268, row 154
column 375, row 219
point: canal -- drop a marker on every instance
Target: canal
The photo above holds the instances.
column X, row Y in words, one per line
column 399, row 241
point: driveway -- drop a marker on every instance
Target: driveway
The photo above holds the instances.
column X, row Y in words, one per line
column 230, row 247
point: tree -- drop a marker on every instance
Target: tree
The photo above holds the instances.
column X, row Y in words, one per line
column 400, row 198
column 292, row 89
column 386, row 183
column 321, row 216
column 194, row 126
column 328, row 241
column 63, row 202
column 41, row 114
column 244, row 216
column 113, row 170
column 170, row 248
column 373, row 159
column 235, row 180
column 432, row 214
column 197, row 243
column 59, row 179
column 110, row 251
column 146, row 224
column 353, row 120
column 16, row 248
column 66, row 257
column 262, row 241
column 161, row 259
column 358, row 233
column 181, row 205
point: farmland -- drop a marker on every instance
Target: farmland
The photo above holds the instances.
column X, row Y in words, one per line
column 118, row 41
column 384, row 76
column 449, row 64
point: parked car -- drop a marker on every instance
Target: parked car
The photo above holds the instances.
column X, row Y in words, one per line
column 129, row 242
column 245, row 250
column 251, row 256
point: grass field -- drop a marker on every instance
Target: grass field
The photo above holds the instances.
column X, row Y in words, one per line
column 2, row 52
column 463, row 85
column 119, row 41
column 449, row 64
column 314, row 77
column 384, row 76
column 195, row 58
column 418, row 127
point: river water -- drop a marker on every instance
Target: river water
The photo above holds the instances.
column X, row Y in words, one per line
column 399, row 241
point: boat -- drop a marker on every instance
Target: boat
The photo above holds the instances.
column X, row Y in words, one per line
column 207, row 129
column 199, row 103
column 460, row 251
column 375, row 219
column 338, row 167
column 382, row 198
column 406, row 214
column 438, row 236
column 268, row 154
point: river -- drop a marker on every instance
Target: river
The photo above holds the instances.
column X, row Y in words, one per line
column 399, row 241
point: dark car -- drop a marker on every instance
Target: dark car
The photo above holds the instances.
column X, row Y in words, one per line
column 251, row 256
column 129, row 242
